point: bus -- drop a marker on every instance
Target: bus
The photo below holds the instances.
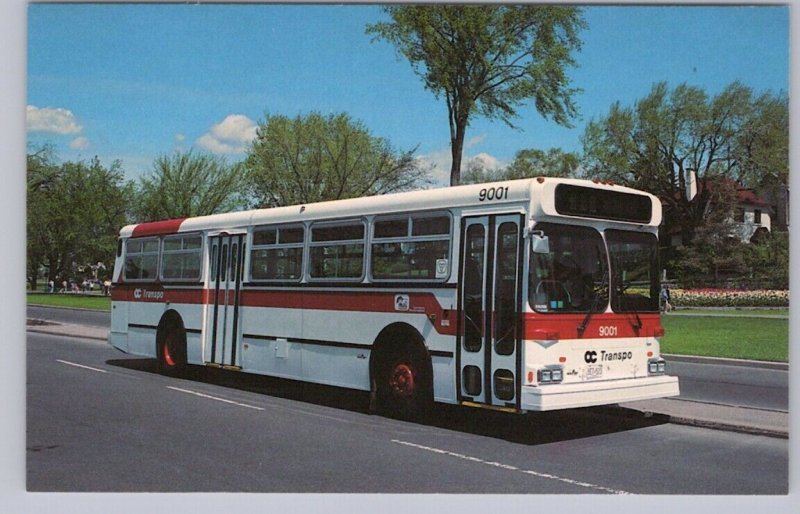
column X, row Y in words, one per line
column 525, row 295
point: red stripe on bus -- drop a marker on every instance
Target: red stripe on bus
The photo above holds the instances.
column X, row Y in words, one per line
column 157, row 228
column 534, row 326
column 367, row 301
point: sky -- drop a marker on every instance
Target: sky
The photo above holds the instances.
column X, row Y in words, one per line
column 132, row 82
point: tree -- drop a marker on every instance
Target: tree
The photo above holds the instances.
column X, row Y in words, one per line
column 488, row 59
column 538, row 163
column 75, row 210
column 185, row 184
column 315, row 158
column 670, row 139
column 527, row 163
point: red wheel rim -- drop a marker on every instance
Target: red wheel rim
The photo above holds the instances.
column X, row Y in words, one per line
column 169, row 360
column 401, row 380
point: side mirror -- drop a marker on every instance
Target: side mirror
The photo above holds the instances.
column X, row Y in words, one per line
column 540, row 243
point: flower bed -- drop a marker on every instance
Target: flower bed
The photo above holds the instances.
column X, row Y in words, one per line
column 729, row 298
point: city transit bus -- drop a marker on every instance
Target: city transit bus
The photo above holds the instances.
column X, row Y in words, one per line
column 524, row 295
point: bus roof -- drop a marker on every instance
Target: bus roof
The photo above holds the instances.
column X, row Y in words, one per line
column 517, row 192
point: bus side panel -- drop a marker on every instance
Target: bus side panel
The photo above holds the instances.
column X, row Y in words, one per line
column 143, row 320
column 341, row 355
column 444, row 385
column 269, row 346
column 118, row 335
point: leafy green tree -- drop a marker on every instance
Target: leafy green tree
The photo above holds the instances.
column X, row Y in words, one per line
column 551, row 163
column 314, row 158
column 488, row 60
column 185, row 184
column 75, row 210
column 768, row 260
column 527, row 163
column 670, row 139
column 476, row 172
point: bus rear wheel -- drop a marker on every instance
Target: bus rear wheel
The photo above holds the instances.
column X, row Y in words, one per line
column 405, row 387
column 171, row 351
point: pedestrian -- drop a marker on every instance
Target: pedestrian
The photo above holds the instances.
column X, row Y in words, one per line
column 666, row 306
column 51, row 287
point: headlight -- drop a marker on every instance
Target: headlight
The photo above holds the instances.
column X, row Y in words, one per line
column 550, row 375
column 656, row 366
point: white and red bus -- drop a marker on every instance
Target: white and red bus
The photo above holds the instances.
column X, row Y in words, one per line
column 525, row 295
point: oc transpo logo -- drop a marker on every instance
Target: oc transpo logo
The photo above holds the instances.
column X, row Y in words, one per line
column 590, row 357
column 140, row 293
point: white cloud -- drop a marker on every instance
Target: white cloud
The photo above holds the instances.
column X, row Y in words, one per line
column 489, row 162
column 55, row 120
column 474, row 141
column 441, row 160
column 79, row 143
column 230, row 136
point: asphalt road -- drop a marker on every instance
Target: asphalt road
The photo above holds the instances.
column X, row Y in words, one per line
column 98, row 420
column 741, row 386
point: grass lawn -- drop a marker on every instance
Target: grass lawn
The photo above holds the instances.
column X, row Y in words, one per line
column 735, row 336
column 76, row 301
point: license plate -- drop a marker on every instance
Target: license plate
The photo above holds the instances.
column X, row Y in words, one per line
column 594, row 372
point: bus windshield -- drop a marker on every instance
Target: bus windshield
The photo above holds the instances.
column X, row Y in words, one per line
column 634, row 267
column 573, row 276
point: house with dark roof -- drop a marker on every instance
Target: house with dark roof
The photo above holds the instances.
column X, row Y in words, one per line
column 752, row 215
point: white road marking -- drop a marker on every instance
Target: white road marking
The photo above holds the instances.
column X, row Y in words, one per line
column 202, row 395
column 81, row 366
column 512, row 468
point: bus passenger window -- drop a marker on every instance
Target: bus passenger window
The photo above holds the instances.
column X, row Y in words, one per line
column 141, row 259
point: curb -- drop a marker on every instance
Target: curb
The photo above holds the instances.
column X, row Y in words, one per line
column 66, row 308
column 696, row 359
column 729, row 427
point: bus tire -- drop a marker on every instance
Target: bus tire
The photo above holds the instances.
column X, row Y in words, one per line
column 171, row 346
column 404, row 385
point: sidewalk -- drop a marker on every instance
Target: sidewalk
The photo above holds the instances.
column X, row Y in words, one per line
column 67, row 329
column 682, row 412
column 721, row 417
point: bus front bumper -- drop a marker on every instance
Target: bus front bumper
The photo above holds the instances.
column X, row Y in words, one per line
column 587, row 394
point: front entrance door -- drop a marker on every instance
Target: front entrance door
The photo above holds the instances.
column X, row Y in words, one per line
column 489, row 305
column 223, row 326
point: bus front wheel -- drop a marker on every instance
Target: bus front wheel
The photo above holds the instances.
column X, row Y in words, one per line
column 405, row 386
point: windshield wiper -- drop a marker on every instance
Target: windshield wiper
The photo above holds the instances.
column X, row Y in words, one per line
column 582, row 326
column 595, row 301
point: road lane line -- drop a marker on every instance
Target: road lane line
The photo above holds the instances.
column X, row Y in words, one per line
column 207, row 396
column 512, row 468
column 81, row 366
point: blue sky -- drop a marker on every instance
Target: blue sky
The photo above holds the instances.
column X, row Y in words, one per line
column 131, row 82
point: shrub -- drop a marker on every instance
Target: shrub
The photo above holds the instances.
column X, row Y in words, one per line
column 729, row 298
